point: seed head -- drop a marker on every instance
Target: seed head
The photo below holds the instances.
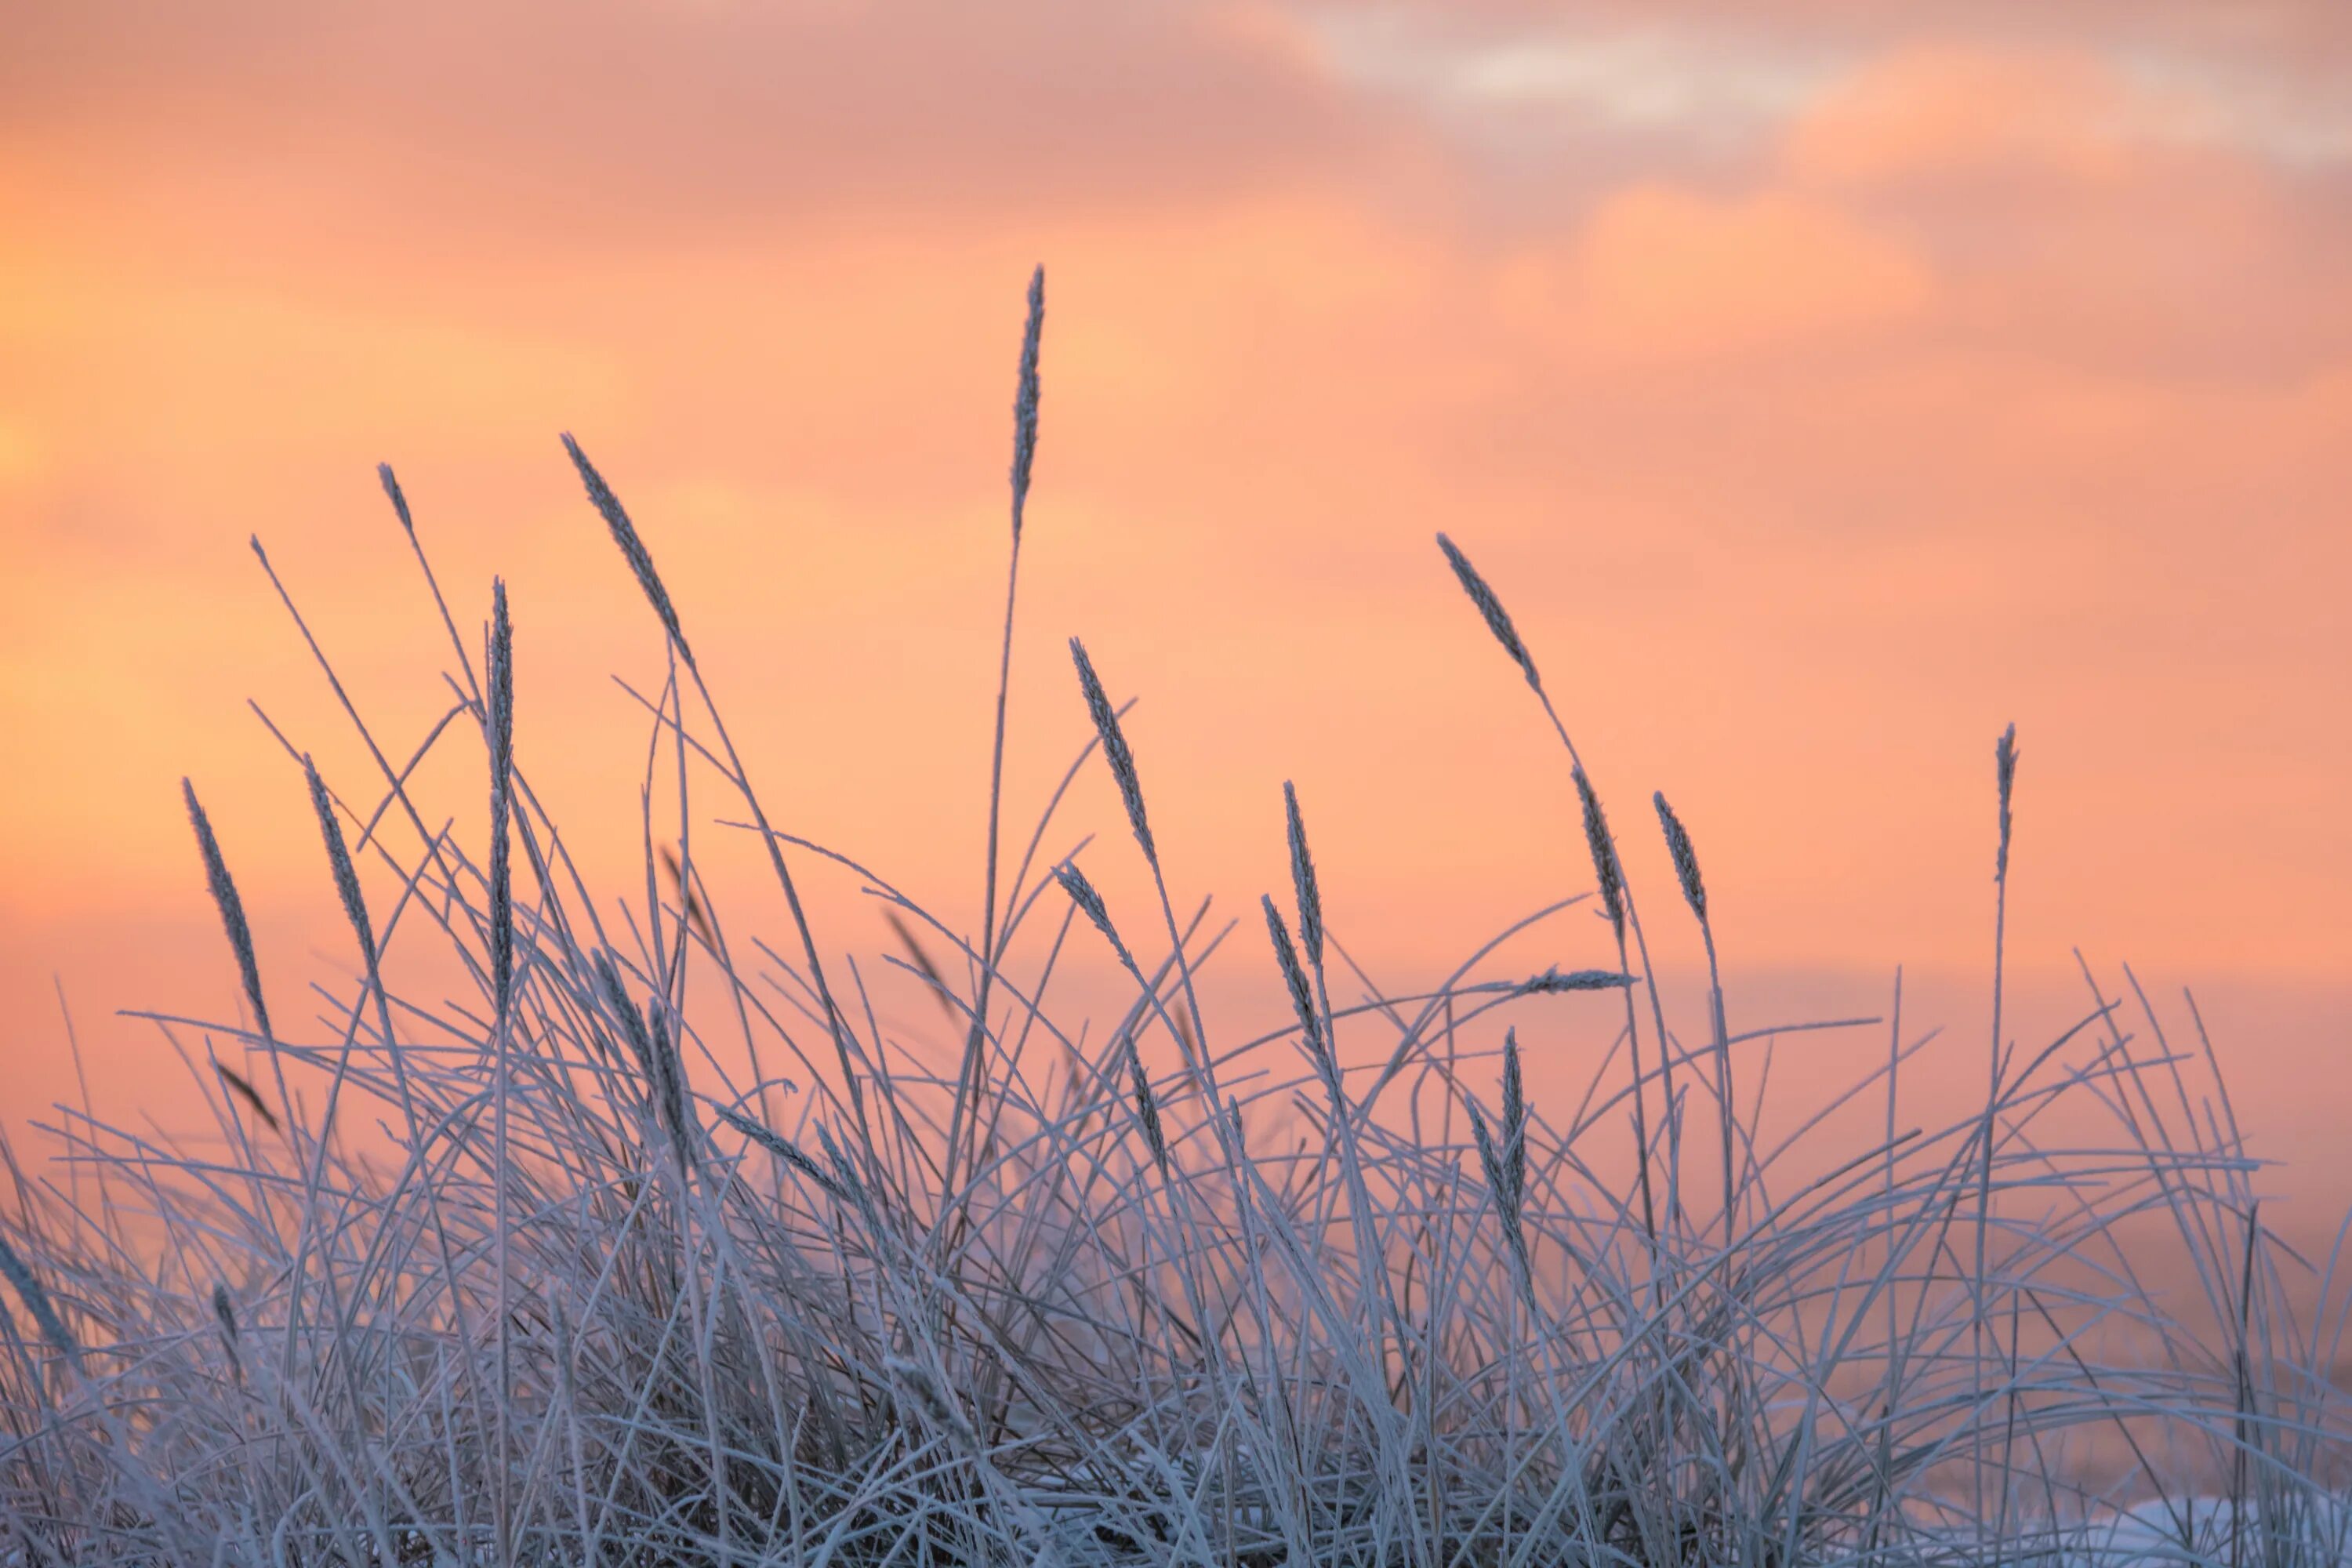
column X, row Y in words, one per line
column 37, row 1301
column 1310, row 1026
column 1552, row 982
column 243, row 1090
column 1025, row 401
column 225, row 1313
column 923, row 1390
column 1302, row 879
column 1605, row 869
column 1678, row 845
column 399, row 502
column 232, row 908
column 1147, row 1109
column 1082, row 893
column 633, row 1024
column 779, row 1147
column 339, row 859
column 1514, row 1099
column 848, row 1180
column 923, row 964
column 668, row 1075
column 625, row 534
column 501, row 740
column 1498, row 620
column 2004, row 757
column 1492, row 1163
column 1506, row 1160
column 1114, row 745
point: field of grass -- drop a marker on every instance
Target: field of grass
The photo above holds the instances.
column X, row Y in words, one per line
column 1148, row 1291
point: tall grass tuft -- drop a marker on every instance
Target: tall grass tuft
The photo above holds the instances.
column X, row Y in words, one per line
column 548, row 1275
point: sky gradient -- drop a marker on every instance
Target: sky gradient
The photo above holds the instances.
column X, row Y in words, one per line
column 1823, row 386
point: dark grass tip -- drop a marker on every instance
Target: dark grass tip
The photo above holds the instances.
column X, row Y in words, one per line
column 37, row 1301
column 782, row 1149
column 1506, row 1160
column 1498, row 620
column 1552, row 983
column 391, row 483
column 1114, row 750
column 238, row 1085
column 1515, row 1094
column 1606, row 870
column 1025, row 401
column 652, row 1043
column 625, row 534
column 1147, row 1109
column 1302, row 1000
column 1678, row 845
column 1302, row 879
column 1489, row 1159
column 1492, row 1164
column 631, row 1021
column 1090, row 903
column 669, row 1072
column 923, row 964
column 500, row 732
column 339, row 859
column 224, row 1314
column 231, row 907
column 2004, row 759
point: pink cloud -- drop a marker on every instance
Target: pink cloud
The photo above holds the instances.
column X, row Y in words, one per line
column 1660, row 272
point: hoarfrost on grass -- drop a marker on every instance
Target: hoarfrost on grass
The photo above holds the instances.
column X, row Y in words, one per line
column 1132, row 1289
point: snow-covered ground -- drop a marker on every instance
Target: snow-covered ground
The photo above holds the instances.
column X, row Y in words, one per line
column 2197, row 1530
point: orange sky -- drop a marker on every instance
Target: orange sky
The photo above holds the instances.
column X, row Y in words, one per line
column 1822, row 389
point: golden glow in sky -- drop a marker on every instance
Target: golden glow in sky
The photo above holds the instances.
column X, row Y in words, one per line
column 1823, row 386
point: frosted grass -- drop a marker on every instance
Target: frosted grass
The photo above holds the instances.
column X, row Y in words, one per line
column 1342, row 1293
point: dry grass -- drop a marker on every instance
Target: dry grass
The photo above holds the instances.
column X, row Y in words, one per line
column 605, row 1304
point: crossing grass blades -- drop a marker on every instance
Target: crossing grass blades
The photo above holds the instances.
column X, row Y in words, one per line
column 754, row 1280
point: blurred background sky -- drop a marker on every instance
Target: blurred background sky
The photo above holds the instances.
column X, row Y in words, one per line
column 1825, row 385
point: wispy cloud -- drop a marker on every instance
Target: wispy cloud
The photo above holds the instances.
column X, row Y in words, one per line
column 2200, row 102
column 1717, row 83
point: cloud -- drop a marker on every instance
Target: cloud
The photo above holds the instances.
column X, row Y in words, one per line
column 1657, row 81
column 2074, row 84
column 1941, row 113
column 1665, row 273
column 2071, row 206
column 628, row 125
column 1944, row 111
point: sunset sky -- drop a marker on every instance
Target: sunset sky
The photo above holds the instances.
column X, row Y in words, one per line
column 1823, row 384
